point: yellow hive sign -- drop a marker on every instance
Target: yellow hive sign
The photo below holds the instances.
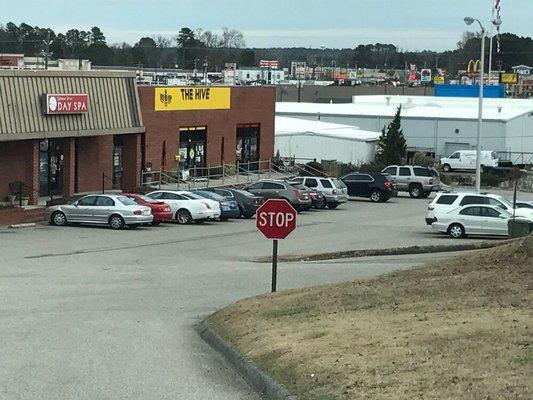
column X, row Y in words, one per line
column 192, row 98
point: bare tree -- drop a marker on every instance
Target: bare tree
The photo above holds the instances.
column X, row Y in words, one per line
column 466, row 37
column 211, row 39
column 232, row 38
column 163, row 42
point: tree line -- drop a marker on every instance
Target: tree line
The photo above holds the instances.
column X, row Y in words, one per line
column 192, row 48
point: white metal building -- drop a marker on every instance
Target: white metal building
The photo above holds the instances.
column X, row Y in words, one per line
column 318, row 140
column 439, row 124
column 251, row 75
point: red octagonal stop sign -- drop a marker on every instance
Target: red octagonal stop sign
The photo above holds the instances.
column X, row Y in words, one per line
column 276, row 219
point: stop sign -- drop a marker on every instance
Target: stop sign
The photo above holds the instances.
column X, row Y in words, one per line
column 276, row 219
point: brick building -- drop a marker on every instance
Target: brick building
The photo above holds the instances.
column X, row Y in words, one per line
column 195, row 127
column 64, row 133
column 61, row 131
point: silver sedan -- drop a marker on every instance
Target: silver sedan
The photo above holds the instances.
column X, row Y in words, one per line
column 103, row 209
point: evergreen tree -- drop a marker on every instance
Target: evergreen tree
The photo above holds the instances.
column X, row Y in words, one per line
column 392, row 146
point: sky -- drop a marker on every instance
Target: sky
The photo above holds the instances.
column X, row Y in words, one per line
column 408, row 24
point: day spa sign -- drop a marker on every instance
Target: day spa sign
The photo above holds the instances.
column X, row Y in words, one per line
column 65, row 103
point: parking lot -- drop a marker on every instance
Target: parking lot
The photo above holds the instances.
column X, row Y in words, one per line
column 93, row 313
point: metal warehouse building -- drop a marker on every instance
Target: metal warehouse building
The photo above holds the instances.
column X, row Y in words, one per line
column 317, row 140
column 437, row 124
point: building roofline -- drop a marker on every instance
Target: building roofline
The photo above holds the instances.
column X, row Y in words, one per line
column 46, row 73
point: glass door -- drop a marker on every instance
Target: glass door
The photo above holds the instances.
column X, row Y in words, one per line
column 247, row 151
column 50, row 167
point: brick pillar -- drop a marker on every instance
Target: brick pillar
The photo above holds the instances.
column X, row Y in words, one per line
column 131, row 163
column 95, row 156
column 32, row 170
column 69, row 167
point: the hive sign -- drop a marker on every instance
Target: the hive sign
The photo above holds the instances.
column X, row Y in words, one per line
column 192, row 98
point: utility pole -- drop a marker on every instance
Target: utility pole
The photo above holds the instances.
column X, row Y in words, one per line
column 47, row 49
column 205, row 70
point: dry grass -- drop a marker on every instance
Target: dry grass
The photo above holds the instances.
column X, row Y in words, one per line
column 460, row 329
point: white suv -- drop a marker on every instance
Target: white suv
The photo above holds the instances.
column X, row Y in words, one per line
column 448, row 201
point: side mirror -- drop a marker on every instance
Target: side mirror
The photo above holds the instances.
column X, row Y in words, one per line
column 75, row 204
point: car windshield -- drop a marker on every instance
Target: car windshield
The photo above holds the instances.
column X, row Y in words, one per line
column 506, row 213
column 193, row 196
column 505, row 202
column 210, row 195
column 339, row 184
column 244, row 193
column 144, row 198
column 126, row 201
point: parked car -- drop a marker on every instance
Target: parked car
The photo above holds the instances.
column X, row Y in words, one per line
column 228, row 208
column 247, row 202
column 160, row 210
column 417, row 181
column 376, row 186
column 273, row 189
column 448, row 201
column 318, row 200
column 187, row 207
column 524, row 204
column 116, row 211
column 473, row 220
column 334, row 190
column 466, row 160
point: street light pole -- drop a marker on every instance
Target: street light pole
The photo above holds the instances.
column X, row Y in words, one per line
column 496, row 23
column 470, row 21
column 490, row 59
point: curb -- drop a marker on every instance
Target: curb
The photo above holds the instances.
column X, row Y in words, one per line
column 386, row 252
column 257, row 378
column 26, row 225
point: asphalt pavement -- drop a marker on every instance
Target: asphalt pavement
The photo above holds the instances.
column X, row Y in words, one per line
column 91, row 313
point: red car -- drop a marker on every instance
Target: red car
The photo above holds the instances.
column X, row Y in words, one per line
column 160, row 211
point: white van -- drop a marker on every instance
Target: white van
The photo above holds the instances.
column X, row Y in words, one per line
column 466, row 159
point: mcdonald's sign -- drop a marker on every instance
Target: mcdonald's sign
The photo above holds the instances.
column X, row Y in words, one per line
column 473, row 66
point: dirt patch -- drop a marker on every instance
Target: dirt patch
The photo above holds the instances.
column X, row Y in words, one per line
column 459, row 329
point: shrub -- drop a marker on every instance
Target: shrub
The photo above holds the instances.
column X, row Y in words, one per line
column 491, row 180
column 423, row 159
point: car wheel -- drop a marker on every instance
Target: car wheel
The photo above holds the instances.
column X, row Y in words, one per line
column 322, row 206
column 456, row 231
column 116, row 222
column 375, row 196
column 183, row 216
column 59, row 218
column 155, row 223
column 332, row 206
column 224, row 219
column 415, row 191
column 446, row 168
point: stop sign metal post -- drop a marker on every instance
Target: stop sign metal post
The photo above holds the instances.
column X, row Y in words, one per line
column 275, row 219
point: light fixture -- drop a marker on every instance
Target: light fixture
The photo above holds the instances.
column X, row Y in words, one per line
column 469, row 20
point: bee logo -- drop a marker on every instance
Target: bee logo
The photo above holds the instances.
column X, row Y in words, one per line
column 165, row 98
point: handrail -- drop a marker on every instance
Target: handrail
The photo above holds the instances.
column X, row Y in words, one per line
column 214, row 176
column 104, row 177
